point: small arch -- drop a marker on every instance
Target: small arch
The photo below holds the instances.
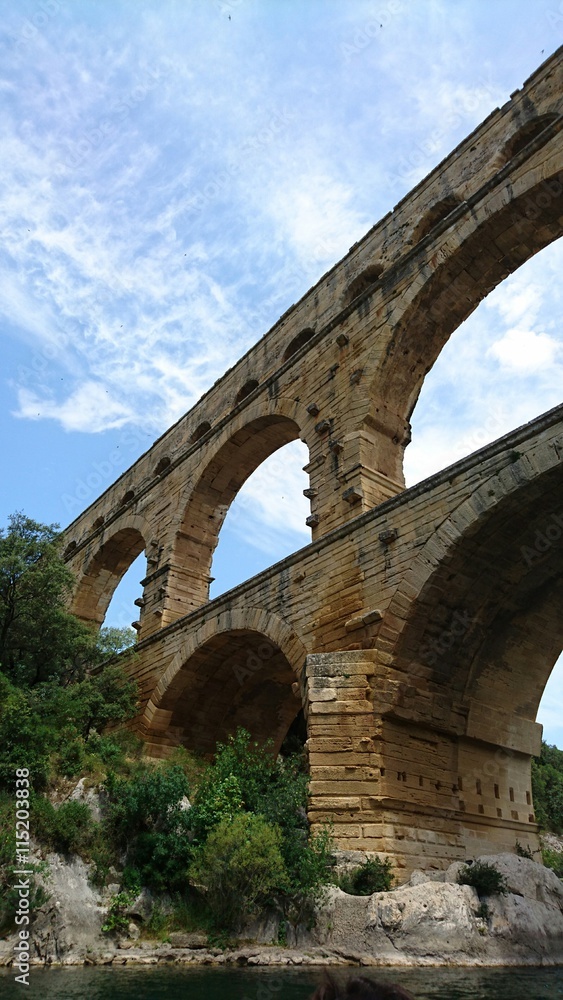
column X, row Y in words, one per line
column 246, row 389
column 525, row 134
column 362, row 282
column 127, row 498
column 97, row 523
column 69, row 549
column 433, row 216
column 299, row 341
column 96, row 586
column 200, row 431
column 162, row 466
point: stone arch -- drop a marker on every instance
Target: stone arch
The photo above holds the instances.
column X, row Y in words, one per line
column 480, row 595
column 302, row 338
column 253, row 435
column 525, row 134
column 103, row 565
column 437, row 213
column 362, row 282
column 512, row 223
column 200, row 431
column 245, row 390
column 239, row 668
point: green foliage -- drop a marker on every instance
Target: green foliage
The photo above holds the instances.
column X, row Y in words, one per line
column 9, row 897
column 117, row 922
column 240, row 867
column 547, row 787
column 39, row 639
column 374, row 875
column 485, row 878
column 68, row 829
column 553, row 859
column 25, row 739
column 147, row 819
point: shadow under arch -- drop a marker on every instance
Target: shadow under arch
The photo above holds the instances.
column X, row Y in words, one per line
column 478, row 615
column 253, row 436
column 239, row 670
column 493, row 240
column 103, row 568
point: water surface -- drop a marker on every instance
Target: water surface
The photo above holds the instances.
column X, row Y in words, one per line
column 189, row 983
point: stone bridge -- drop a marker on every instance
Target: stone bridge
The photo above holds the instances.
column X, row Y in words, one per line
column 418, row 629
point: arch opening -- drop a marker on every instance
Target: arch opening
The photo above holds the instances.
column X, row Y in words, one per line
column 103, row 572
column 525, row 134
column 438, row 213
column 266, row 521
column 212, row 497
column 237, row 678
column 494, row 248
column 245, row 390
column 486, row 624
column 501, row 368
column 299, row 341
column 362, row 282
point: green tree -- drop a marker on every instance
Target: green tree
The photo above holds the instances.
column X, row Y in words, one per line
column 39, row 639
column 547, row 787
column 148, row 818
column 240, row 868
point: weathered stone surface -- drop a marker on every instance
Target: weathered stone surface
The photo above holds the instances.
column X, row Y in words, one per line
column 70, row 921
column 184, row 939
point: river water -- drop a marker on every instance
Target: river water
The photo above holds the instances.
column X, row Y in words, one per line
column 189, row 983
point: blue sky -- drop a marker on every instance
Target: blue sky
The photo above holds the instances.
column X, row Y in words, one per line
column 175, row 174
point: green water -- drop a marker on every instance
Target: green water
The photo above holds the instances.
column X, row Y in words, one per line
column 148, row 983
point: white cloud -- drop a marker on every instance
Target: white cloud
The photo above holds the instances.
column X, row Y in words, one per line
column 90, row 408
column 525, row 351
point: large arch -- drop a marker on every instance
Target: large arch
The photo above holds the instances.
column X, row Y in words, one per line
column 254, row 435
column 443, row 284
column 477, row 619
column 102, row 568
column 238, row 670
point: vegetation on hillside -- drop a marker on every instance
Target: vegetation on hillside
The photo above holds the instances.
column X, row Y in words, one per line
column 223, row 839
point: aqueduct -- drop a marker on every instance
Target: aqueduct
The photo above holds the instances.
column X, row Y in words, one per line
column 418, row 629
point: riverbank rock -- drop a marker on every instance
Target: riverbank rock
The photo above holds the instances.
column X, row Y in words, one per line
column 70, row 922
column 432, row 920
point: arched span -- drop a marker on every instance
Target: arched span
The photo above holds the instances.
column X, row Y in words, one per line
column 513, row 221
column 235, row 670
column 253, row 436
column 104, row 563
column 477, row 620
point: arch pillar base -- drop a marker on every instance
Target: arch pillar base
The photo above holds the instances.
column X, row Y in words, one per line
column 397, row 783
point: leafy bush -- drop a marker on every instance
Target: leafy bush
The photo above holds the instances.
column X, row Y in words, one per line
column 240, row 868
column 373, row 876
column 116, row 921
column 68, row 829
column 147, row 819
column 485, row 878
